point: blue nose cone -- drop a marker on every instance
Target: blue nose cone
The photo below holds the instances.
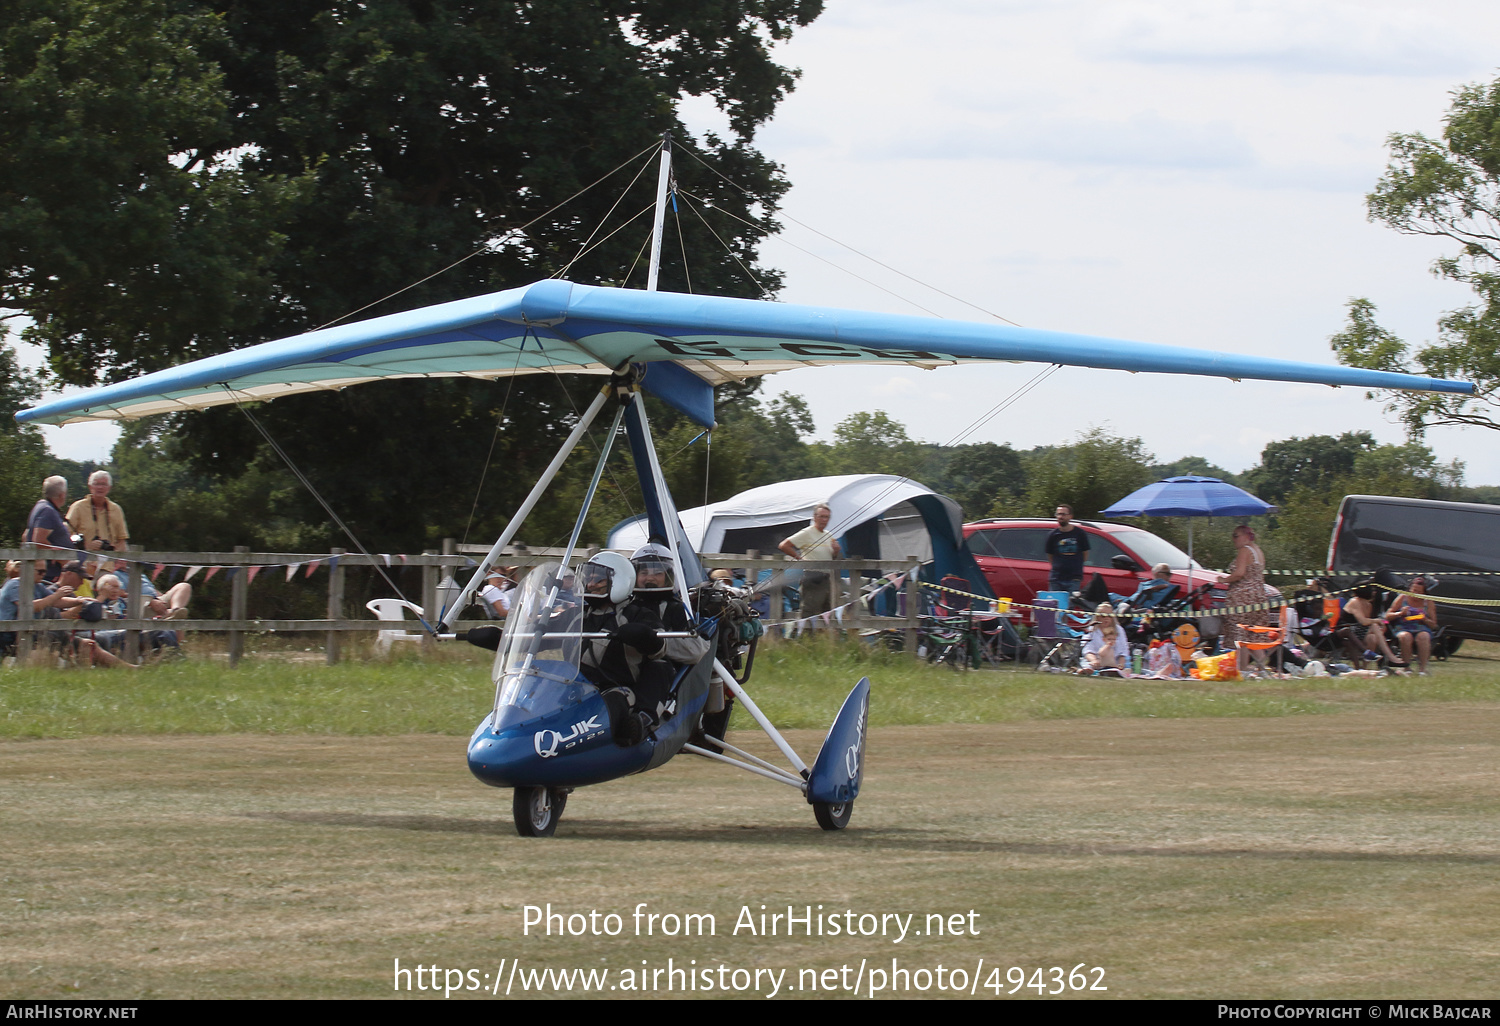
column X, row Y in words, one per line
column 569, row 748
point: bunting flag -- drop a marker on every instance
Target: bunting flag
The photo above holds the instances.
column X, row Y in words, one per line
column 230, row 571
column 210, row 575
column 402, row 556
column 191, row 571
column 387, row 557
column 251, row 572
column 291, row 571
column 174, row 574
column 333, row 563
column 312, row 567
column 156, row 571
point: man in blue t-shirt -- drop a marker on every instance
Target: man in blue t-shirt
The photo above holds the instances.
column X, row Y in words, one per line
column 1067, row 547
column 46, row 526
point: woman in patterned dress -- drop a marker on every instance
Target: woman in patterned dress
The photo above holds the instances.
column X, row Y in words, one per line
column 1247, row 586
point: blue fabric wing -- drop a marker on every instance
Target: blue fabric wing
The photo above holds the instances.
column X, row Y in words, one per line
column 557, row 326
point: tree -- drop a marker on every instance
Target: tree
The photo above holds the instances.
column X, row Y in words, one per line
column 1089, row 474
column 1448, row 189
column 287, row 162
column 979, row 475
column 24, row 460
column 1314, row 463
column 871, row 443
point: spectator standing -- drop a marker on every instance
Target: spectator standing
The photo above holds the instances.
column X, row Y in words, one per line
column 1067, row 547
column 814, row 541
column 46, row 526
column 100, row 521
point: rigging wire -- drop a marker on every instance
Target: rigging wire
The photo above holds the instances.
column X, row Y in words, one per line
column 781, row 213
column 492, row 243
column 602, row 221
column 764, row 292
column 627, row 223
column 499, row 421
column 682, row 243
column 801, row 249
column 297, row 471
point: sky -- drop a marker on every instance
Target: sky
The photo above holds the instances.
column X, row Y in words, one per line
column 1190, row 173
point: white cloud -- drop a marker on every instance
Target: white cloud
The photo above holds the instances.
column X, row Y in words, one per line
column 1282, row 36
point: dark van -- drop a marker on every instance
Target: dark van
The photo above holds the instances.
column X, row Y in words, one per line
column 1407, row 536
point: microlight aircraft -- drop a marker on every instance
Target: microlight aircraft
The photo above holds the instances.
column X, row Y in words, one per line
column 548, row 731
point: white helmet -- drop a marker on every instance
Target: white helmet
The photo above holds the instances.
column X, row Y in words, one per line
column 608, row 575
column 654, row 560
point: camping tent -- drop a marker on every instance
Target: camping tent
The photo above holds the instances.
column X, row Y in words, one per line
column 875, row 516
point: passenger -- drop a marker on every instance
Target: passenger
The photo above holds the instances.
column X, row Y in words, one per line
column 1414, row 617
column 655, row 589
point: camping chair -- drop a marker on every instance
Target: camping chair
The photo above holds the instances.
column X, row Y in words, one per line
column 393, row 609
column 1055, row 643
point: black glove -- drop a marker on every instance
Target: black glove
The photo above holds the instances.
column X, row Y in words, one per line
column 485, row 637
column 640, row 637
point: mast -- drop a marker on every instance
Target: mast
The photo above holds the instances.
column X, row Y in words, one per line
column 663, row 183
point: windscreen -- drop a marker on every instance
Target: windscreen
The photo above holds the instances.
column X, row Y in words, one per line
column 536, row 667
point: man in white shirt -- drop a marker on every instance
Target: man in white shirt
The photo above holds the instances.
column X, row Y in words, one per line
column 814, row 542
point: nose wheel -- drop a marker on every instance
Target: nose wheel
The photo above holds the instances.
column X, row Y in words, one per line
column 537, row 810
column 831, row 816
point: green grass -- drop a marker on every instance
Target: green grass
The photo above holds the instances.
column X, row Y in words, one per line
column 798, row 684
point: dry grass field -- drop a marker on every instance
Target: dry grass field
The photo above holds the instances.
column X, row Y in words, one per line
column 1354, row 854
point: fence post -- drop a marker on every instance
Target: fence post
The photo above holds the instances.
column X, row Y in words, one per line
column 239, row 595
column 335, row 606
column 913, row 605
column 24, row 598
column 778, row 601
column 135, row 606
column 429, row 599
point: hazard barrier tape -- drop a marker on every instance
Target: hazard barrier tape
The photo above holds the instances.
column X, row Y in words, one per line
column 1442, row 598
column 1184, row 614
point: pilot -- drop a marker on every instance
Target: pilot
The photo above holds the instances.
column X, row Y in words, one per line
column 628, row 667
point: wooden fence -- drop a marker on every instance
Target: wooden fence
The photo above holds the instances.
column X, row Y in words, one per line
column 845, row 593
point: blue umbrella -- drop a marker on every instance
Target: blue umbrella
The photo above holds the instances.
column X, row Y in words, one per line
column 1190, row 496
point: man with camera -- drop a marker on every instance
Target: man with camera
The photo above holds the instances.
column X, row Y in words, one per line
column 97, row 520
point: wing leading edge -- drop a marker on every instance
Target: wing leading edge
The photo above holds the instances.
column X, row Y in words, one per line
column 557, row 326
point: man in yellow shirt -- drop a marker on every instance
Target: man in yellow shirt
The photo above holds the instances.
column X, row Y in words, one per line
column 99, row 521
column 814, row 542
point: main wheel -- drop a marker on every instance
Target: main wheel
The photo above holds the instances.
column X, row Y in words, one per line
column 537, row 810
column 831, row 816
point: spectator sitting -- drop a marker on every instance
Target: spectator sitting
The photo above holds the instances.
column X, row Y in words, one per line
column 1152, row 592
column 97, row 520
column 113, row 605
column 1413, row 617
column 47, row 602
column 168, row 605
column 1106, row 649
column 1364, row 632
column 498, row 591
column 76, row 575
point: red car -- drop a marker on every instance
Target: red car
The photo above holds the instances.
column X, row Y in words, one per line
column 1012, row 555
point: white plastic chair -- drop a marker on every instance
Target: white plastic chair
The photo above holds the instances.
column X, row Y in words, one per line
column 395, row 610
